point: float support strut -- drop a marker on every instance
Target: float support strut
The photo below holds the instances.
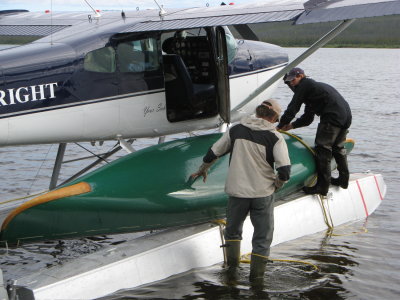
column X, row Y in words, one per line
column 57, row 165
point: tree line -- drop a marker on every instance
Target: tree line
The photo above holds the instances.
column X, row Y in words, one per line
column 381, row 32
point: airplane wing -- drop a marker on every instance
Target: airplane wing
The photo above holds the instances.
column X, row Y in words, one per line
column 299, row 11
column 272, row 11
column 327, row 11
column 43, row 24
column 24, row 23
column 265, row 12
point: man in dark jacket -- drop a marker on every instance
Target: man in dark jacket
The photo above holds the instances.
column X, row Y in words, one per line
column 324, row 101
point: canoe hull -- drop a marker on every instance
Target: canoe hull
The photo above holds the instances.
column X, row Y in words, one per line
column 148, row 189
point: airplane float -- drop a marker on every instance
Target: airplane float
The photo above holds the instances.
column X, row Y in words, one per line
column 132, row 74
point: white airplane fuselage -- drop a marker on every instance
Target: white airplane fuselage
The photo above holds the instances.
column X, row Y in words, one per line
column 133, row 116
column 123, row 88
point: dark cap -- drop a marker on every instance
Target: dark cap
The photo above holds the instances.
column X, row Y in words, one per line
column 292, row 74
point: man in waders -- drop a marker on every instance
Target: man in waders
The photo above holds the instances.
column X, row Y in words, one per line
column 335, row 118
column 257, row 149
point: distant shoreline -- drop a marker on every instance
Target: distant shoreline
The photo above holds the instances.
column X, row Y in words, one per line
column 361, row 46
column 380, row 32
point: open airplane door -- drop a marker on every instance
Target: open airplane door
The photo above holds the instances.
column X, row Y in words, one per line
column 224, row 104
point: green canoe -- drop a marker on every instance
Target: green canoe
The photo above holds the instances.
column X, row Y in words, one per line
column 148, row 189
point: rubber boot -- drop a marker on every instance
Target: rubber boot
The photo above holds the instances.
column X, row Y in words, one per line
column 232, row 253
column 257, row 268
column 323, row 164
column 344, row 174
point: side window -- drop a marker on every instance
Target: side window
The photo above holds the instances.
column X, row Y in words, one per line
column 101, row 60
column 138, row 56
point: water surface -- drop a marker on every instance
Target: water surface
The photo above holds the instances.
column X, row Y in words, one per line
column 351, row 265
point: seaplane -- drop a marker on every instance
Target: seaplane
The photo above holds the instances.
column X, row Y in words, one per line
column 121, row 76
column 132, row 74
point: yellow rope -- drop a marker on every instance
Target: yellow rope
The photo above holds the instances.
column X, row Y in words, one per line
column 305, row 145
column 329, row 221
column 22, row 198
column 329, row 210
column 300, row 140
column 313, row 180
column 362, row 230
column 245, row 258
column 220, row 222
column 298, row 261
column 325, row 213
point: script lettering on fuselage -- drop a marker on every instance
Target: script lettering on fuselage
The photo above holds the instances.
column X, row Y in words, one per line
column 149, row 110
column 27, row 94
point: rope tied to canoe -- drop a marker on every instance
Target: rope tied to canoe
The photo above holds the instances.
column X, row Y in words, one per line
column 299, row 139
column 24, row 197
column 324, row 203
column 245, row 258
column 308, row 147
column 322, row 199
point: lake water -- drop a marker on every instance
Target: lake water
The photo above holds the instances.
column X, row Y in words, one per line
column 351, row 266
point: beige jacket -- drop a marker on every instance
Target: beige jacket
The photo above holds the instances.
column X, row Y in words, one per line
column 259, row 162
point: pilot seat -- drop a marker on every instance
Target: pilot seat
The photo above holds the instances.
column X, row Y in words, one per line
column 185, row 99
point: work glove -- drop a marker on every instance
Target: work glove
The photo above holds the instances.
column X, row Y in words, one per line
column 278, row 183
column 203, row 170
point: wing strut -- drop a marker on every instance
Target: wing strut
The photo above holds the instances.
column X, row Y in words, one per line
column 318, row 44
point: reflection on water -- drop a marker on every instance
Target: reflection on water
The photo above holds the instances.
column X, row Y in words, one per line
column 335, row 257
column 216, row 283
column 352, row 264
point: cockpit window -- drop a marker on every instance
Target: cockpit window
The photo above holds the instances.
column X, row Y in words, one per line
column 138, row 56
column 101, row 60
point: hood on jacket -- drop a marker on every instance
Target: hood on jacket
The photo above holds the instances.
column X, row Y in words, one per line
column 256, row 123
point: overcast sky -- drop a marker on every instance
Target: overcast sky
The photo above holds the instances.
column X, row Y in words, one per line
column 80, row 5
